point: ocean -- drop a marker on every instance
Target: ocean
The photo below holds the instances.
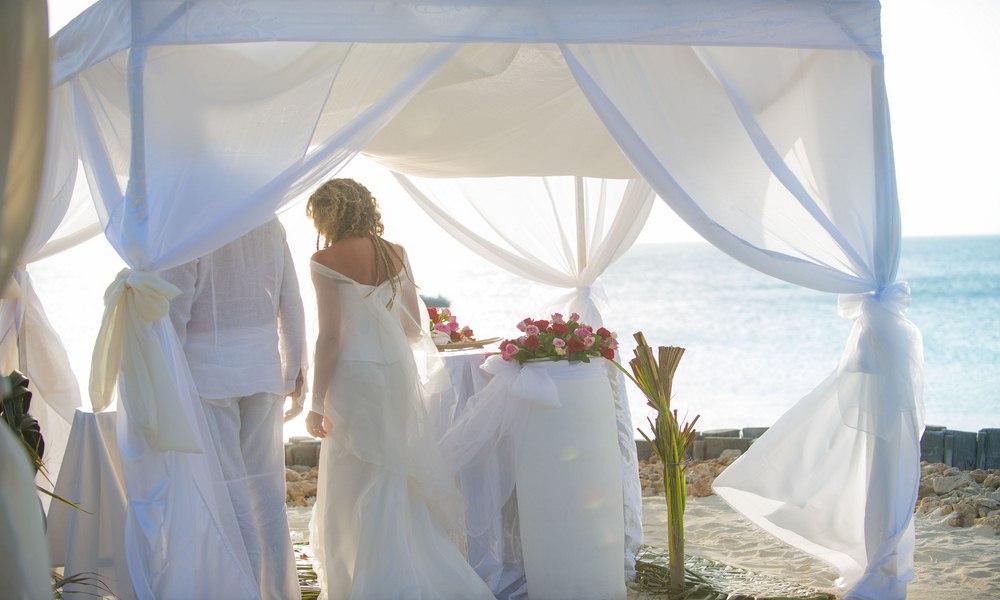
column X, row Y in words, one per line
column 754, row 345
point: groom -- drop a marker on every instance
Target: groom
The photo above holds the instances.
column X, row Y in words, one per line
column 242, row 326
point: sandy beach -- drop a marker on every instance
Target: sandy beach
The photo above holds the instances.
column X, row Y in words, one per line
column 952, row 563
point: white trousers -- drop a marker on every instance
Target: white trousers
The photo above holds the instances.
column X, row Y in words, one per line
column 248, row 437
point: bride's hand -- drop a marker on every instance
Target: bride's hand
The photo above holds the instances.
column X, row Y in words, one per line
column 316, row 425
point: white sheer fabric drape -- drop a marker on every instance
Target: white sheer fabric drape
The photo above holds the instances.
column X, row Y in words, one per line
column 186, row 148
column 64, row 217
column 771, row 157
column 563, row 232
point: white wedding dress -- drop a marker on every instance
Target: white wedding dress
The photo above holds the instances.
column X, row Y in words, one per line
column 386, row 510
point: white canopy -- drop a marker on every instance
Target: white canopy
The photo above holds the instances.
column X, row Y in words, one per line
column 762, row 123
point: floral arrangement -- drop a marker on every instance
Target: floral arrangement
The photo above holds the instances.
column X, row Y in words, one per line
column 559, row 339
column 445, row 328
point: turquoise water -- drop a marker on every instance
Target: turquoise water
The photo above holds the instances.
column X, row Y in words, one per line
column 754, row 345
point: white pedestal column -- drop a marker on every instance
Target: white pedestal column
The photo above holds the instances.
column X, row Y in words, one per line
column 569, row 489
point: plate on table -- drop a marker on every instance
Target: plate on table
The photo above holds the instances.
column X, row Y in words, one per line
column 466, row 345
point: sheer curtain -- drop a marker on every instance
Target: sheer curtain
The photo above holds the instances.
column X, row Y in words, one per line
column 562, row 232
column 187, row 148
column 27, row 340
column 782, row 158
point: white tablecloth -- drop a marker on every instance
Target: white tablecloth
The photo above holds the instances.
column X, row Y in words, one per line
column 91, row 540
column 479, row 439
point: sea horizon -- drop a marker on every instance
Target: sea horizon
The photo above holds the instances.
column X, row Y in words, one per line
column 755, row 345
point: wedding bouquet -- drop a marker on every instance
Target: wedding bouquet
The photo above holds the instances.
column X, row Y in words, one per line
column 559, row 339
column 445, row 328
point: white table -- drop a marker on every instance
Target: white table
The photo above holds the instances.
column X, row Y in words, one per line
column 91, row 477
column 551, row 430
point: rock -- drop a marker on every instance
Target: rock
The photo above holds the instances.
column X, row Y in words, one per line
column 947, row 483
column 991, row 481
column 925, row 489
column 292, row 475
column 729, row 456
column 700, row 488
column 978, row 475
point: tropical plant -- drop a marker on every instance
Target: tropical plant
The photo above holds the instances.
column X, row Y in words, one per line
column 14, row 406
column 670, row 440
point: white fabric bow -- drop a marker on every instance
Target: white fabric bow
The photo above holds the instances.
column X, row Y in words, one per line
column 129, row 351
column 881, row 371
column 530, row 385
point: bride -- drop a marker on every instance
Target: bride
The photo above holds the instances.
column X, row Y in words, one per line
column 386, row 507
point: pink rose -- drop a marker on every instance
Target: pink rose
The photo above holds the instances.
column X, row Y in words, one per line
column 508, row 349
column 557, row 318
column 574, row 317
column 588, row 341
column 443, row 328
column 531, row 330
column 582, row 332
column 558, row 342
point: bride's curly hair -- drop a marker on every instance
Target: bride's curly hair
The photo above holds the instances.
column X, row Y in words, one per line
column 343, row 208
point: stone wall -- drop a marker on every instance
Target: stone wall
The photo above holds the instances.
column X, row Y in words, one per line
column 966, row 450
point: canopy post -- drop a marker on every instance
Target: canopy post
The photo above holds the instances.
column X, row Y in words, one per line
column 581, row 226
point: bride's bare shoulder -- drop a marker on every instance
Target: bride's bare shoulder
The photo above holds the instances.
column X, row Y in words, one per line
column 343, row 253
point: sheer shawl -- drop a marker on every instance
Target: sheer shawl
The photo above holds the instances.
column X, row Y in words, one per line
column 364, row 344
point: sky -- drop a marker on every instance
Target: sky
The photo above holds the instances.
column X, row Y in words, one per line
column 942, row 71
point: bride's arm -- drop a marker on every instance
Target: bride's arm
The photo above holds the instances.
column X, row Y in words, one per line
column 413, row 317
column 327, row 338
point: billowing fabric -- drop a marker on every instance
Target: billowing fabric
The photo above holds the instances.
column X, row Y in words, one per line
column 182, row 539
column 239, row 316
column 808, row 197
column 386, row 505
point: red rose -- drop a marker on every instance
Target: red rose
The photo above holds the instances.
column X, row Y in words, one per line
column 456, row 336
column 559, row 328
column 576, row 345
column 531, row 343
column 433, row 312
column 608, row 353
column 604, row 333
column 542, row 324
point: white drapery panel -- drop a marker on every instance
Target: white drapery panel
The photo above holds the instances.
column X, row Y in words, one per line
column 771, row 156
column 559, row 231
column 562, row 232
column 187, row 148
column 64, row 217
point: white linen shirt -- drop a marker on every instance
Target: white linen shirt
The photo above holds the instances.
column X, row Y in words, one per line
column 240, row 318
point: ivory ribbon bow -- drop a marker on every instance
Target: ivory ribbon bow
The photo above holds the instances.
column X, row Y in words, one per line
column 129, row 351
